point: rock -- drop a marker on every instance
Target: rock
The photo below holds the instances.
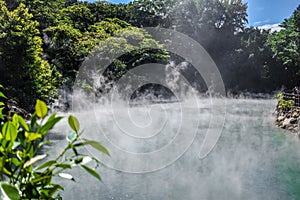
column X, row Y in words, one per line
column 293, row 121
column 286, row 122
column 13, row 107
column 280, row 118
column 295, row 114
column 289, row 120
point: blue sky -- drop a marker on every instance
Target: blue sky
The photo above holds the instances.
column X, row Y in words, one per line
column 262, row 12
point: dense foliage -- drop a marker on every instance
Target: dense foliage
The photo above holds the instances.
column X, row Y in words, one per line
column 286, row 46
column 24, row 171
column 284, row 105
column 44, row 43
column 23, row 71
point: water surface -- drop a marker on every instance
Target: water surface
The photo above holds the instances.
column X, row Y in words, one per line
column 253, row 159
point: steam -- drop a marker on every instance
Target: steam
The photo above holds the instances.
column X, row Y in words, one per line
column 165, row 139
column 250, row 161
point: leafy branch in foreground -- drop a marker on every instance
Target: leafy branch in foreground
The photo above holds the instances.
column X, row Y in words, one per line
column 24, row 171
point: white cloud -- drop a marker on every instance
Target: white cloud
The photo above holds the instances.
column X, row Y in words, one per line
column 272, row 27
column 261, row 22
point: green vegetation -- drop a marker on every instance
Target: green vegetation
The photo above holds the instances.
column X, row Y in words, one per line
column 23, row 71
column 44, row 43
column 283, row 104
column 286, row 46
column 24, row 172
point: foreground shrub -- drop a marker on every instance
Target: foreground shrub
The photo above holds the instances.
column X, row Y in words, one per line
column 24, row 171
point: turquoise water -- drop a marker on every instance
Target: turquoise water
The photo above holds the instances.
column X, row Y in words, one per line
column 253, row 159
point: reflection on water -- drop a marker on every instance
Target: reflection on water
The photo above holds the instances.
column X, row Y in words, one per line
column 252, row 160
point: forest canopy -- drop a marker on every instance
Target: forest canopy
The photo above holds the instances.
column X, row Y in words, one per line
column 43, row 43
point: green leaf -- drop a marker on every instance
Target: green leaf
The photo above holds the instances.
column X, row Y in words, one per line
column 46, row 179
column 46, row 164
column 15, row 120
column 15, row 161
column 23, row 123
column 50, row 123
column 5, row 171
column 52, row 117
column 1, row 115
column 41, row 109
column 32, row 136
column 33, row 120
column 66, row 176
column 71, row 137
column 96, row 145
column 9, row 191
column 9, row 131
column 73, row 123
column 2, row 95
column 92, row 172
column 34, row 160
column 64, row 166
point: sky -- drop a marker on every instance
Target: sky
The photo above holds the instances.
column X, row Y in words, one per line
column 270, row 13
column 262, row 13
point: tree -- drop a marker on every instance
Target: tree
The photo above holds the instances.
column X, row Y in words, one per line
column 148, row 13
column 103, row 9
column 24, row 73
column 46, row 12
column 254, row 68
column 79, row 15
column 211, row 21
column 286, row 46
column 68, row 46
column 215, row 25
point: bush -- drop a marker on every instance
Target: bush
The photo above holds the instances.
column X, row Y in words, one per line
column 24, row 172
column 283, row 104
column 24, row 73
